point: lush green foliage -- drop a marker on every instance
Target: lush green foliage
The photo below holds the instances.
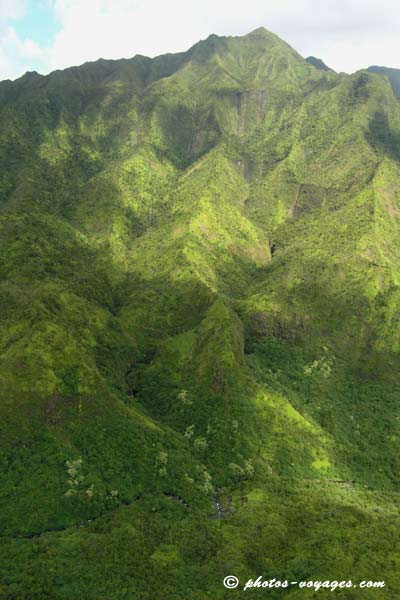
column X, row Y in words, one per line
column 392, row 74
column 199, row 295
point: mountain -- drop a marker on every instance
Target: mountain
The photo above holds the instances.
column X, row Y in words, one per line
column 318, row 63
column 392, row 74
column 200, row 326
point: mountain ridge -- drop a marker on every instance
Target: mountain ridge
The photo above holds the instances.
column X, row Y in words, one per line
column 260, row 32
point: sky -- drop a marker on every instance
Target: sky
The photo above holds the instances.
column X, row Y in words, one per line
column 44, row 35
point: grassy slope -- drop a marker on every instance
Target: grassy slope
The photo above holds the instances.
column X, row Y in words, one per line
column 150, row 333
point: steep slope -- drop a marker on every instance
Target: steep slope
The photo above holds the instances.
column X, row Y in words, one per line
column 199, row 300
column 317, row 63
column 392, row 74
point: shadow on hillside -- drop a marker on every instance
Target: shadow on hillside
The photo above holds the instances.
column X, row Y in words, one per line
column 382, row 138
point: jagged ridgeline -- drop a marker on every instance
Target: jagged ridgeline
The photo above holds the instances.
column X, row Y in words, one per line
column 200, row 307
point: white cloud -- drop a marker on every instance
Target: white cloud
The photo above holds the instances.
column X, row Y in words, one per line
column 11, row 9
column 346, row 34
column 100, row 28
column 15, row 53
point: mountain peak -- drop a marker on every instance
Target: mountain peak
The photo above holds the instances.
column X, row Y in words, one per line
column 261, row 31
column 318, row 63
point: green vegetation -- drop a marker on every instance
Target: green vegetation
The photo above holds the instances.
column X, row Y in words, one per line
column 392, row 74
column 317, row 63
column 199, row 297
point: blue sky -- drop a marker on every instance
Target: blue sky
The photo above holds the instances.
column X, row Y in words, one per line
column 44, row 35
column 39, row 23
column 27, row 32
